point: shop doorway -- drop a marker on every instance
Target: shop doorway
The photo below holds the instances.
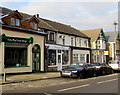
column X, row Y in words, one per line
column 87, row 58
column 36, row 58
column 59, row 61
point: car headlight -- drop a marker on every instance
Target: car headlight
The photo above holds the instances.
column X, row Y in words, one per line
column 74, row 71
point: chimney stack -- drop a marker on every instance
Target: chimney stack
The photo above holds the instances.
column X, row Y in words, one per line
column 37, row 15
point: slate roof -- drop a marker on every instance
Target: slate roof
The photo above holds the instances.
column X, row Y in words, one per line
column 110, row 36
column 93, row 33
column 67, row 29
column 42, row 24
column 50, row 25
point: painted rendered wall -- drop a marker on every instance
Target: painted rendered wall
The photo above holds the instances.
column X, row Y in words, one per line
column 67, row 39
column 83, row 44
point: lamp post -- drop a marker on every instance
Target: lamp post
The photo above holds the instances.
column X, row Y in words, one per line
column 115, row 39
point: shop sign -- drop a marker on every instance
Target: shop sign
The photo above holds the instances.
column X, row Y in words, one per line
column 17, row 40
column 105, row 52
column 98, row 52
column 56, row 47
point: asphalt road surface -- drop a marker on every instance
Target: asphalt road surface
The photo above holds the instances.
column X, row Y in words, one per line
column 101, row 84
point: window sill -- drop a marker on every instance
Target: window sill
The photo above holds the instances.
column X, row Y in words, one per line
column 16, row 66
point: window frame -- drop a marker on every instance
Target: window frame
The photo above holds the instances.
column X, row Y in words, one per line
column 52, row 36
column 17, row 23
column 12, row 21
column 82, row 56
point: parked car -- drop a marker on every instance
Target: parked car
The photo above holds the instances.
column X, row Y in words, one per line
column 115, row 65
column 79, row 70
column 103, row 68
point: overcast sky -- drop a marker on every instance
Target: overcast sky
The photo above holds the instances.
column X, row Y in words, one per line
column 81, row 15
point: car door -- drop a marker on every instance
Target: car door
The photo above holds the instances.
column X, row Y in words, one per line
column 91, row 69
column 86, row 70
column 108, row 68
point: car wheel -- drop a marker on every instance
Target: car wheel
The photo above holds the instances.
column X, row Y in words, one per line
column 112, row 71
column 94, row 74
column 80, row 76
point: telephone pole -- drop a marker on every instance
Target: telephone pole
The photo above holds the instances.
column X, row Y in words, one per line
column 115, row 24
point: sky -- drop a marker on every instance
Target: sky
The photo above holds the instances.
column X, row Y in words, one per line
column 83, row 15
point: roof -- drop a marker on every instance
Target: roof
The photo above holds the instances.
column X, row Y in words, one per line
column 93, row 33
column 65, row 28
column 42, row 24
column 49, row 25
column 110, row 36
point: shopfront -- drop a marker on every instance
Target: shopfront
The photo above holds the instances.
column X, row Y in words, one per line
column 58, row 57
column 82, row 56
column 21, row 52
column 98, row 56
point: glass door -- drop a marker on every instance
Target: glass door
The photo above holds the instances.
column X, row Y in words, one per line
column 36, row 59
column 59, row 61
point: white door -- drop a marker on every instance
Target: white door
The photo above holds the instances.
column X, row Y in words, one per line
column 59, row 61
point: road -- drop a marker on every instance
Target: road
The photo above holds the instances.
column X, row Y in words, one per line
column 100, row 84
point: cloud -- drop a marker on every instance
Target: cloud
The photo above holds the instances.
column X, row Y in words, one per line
column 81, row 15
column 60, row 1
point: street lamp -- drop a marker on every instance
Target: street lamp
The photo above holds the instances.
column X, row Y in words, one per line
column 115, row 39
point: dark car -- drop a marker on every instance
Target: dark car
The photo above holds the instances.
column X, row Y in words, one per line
column 103, row 68
column 79, row 70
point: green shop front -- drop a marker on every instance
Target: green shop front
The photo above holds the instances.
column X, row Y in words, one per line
column 22, row 54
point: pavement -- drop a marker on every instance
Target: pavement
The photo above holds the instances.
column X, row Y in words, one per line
column 16, row 78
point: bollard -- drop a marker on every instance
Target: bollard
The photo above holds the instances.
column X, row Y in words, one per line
column 4, row 76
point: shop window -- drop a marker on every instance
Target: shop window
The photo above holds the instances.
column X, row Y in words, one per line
column 75, row 58
column 82, row 57
column 52, row 57
column 15, row 57
column 65, row 57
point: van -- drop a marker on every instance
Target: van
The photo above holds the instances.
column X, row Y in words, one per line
column 115, row 65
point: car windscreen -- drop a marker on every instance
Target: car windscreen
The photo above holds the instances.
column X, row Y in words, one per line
column 114, row 62
column 76, row 65
column 95, row 64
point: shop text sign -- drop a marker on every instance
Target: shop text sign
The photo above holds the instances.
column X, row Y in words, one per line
column 16, row 40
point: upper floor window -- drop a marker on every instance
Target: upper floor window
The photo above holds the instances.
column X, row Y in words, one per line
column 33, row 25
column 63, row 40
column 71, row 41
column 51, row 37
column 12, row 21
column 86, row 43
column 17, row 22
column 80, row 42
